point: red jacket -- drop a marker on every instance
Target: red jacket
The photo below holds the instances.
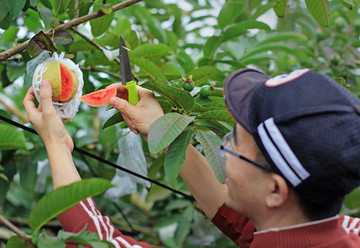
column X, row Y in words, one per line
column 335, row 232
column 86, row 212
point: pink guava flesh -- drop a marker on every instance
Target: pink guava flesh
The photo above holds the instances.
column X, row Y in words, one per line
column 99, row 98
column 67, row 83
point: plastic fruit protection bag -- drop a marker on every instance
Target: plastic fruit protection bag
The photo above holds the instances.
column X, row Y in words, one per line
column 35, row 69
column 132, row 158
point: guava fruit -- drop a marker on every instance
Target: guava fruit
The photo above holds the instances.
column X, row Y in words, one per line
column 64, row 82
column 205, row 91
column 99, row 98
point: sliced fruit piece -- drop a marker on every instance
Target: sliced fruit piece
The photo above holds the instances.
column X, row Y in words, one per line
column 99, row 98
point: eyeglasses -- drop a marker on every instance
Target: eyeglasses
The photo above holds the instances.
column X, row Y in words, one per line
column 226, row 147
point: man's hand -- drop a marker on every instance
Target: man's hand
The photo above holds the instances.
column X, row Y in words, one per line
column 44, row 119
column 139, row 117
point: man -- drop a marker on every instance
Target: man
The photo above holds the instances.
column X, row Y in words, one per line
column 291, row 159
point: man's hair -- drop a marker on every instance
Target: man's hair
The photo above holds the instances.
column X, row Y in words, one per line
column 311, row 210
column 317, row 212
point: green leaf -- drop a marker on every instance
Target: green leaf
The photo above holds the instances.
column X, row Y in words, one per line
column 176, row 155
column 15, row 70
column 285, row 36
column 171, row 71
column 4, row 10
column 165, row 130
column 85, row 238
column 102, row 24
column 217, row 115
column 17, row 242
column 151, row 50
column 230, row 12
column 28, row 174
column 48, row 17
column 184, row 227
column 46, row 241
column 320, row 10
column 10, row 34
column 11, row 138
column 211, row 45
column 280, row 7
column 64, row 198
column 116, row 118
column 58, row 7
column 201, row 74
column 33, row 24
column 348, row 3
column 80, row 45
column 33, row 2
column 177, row 97
column 63, row 37
column 66, row 4
column 352, row 200
column 149, row 67
column 211, row 145
column 274, row 47
column 15, row 6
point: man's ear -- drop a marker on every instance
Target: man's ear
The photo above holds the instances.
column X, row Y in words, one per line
column 278, row 191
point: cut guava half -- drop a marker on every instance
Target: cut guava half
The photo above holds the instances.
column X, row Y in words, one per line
column 99, row 98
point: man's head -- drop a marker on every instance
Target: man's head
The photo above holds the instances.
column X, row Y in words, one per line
column 306, row 126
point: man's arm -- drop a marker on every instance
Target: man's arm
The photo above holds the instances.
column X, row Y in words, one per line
column 202, row 182
column 52, row 131
column 59, row 146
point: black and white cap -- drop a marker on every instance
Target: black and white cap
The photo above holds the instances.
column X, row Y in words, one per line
column 306, row 125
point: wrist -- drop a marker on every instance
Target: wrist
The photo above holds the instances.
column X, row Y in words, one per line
column 57, row 148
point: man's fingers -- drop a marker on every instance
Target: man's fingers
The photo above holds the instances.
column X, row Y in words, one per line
column 46, row 97
column 28, row 101
column 122, row 106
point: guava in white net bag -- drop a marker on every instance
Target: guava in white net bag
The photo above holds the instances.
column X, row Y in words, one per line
column 66, row 80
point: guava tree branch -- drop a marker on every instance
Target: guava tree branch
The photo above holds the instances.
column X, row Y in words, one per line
column 16, row 230
column 14, row 111
column 70, row 24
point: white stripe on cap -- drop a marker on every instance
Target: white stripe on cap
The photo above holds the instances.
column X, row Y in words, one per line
column 277, row 158
column 285, row 149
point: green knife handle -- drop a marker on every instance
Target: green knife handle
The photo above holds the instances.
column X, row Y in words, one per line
column 133, row 94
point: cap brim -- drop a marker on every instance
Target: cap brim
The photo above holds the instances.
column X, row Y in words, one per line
column 238, row 89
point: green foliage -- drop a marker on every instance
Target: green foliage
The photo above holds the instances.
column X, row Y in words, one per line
column 11, row 138
column 167, row 42
column 64, row 198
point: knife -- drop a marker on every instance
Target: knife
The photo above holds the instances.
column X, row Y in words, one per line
column 126, row 75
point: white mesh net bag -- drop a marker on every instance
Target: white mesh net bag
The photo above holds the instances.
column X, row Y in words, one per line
column 66, row 110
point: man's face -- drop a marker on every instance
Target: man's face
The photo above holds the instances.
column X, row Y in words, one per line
column 245, row 181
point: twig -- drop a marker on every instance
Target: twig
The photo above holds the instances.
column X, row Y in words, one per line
column 76, row 14
column 14, row 111
column 73, row 23
column 16, row 230
column 99, row 70
column 94, row 43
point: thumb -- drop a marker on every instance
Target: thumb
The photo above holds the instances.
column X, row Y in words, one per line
column 123, row 106
column 46, row 96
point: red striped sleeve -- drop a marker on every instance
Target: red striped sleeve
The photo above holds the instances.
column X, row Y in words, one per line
column 87, row 213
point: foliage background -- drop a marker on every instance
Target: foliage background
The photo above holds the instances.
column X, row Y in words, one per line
column 169, row 40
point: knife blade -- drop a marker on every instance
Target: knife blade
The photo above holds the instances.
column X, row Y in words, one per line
column 126, row 74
